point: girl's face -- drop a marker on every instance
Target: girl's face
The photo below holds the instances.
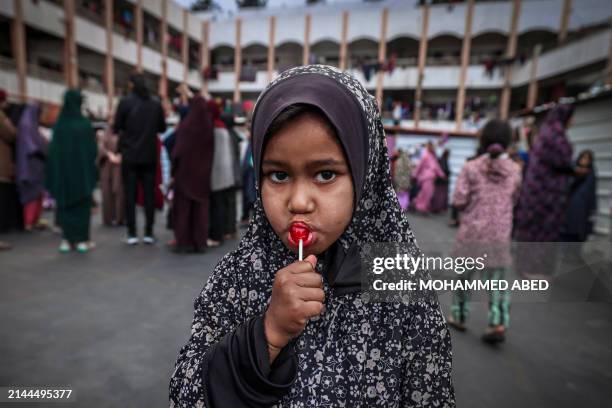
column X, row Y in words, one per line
column 585, row 160
column 306, row 178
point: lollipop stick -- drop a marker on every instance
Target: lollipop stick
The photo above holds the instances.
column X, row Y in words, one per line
column 301, row 251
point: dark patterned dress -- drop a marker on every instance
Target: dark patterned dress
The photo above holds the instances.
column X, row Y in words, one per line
column 356, row 354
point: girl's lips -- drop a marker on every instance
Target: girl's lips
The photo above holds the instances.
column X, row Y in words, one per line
column 299, row 230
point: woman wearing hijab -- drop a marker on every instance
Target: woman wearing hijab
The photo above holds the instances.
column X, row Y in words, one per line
column 192, row 158
column 31, row 152
column 543, row 200
column 582, row 200
column 231, row 215
column 439, row 201
column 426, row 173
column 402, row 176
column 270, row 330
column 486, row 191
column 222, row 178
column 72, row 173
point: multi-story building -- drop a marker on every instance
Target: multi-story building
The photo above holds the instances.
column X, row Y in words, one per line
column 442, row 61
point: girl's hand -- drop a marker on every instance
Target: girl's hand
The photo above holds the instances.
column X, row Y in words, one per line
column 297, row 296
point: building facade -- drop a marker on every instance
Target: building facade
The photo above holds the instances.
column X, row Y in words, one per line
column 444, row 63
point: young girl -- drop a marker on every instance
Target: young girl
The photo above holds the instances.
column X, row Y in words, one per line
column 273, row 331
column 486, row 191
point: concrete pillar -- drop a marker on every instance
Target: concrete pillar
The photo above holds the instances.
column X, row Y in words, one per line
column 343, row 40
column 564, row 23
column 271, row 47
column 609, row 65
column 532, row 92
column 418, row 97
column 19, row 50
column 306, row 54
column 237, row 60
column 185, row 47
column 109, row 71
column 163, row 34
column 382, row 55
column 504, row 106
column 204, row 55
column 70, row 49
column 139, row 31
column 465, row 60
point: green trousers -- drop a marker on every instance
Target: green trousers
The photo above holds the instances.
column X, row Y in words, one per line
column 499, row 300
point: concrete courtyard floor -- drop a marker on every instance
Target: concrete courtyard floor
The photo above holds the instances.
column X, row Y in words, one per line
column 109, row 325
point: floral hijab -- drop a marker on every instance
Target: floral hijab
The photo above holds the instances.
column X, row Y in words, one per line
column 357, row 353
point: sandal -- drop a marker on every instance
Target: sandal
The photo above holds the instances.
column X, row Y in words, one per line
column 494, row 336
column 458, row 325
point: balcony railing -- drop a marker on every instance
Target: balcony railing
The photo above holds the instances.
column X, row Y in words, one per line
column 7, row 64
column 47, row 74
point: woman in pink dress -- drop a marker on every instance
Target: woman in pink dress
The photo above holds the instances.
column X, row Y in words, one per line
column 426, row 173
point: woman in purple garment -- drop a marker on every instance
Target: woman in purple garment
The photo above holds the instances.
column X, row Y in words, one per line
column 543, row 200
column 31, row 151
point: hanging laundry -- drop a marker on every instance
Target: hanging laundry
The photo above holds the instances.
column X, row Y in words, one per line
column 248, row 73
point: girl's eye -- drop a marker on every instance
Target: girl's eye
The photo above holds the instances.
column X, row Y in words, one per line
column 278, row 176
column 325, row 176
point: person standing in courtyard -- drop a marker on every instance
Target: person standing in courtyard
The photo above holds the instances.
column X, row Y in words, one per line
column 582, row 205
column 486, row 191
column 72, row 174
column 31, row 154
column 192, row 158
column 426, row 173
column 138, row 121
column 222, row 178
column 543, row 200
column 109, row 162
column 8, row 192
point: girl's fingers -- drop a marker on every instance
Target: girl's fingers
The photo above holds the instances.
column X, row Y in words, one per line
column 312, row 294
column 302, row 266
column 309, row 280
column 313, row 308
column 312, row 260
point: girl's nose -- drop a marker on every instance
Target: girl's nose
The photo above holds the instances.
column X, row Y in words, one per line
column 301, row 200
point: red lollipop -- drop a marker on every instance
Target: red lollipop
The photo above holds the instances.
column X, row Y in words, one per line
column 298, row 232
column 300, row 235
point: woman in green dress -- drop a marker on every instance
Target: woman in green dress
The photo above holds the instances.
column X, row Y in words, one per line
column 71, row 174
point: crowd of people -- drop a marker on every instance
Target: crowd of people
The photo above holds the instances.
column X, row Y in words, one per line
column 207, row 154
column 502, row 194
